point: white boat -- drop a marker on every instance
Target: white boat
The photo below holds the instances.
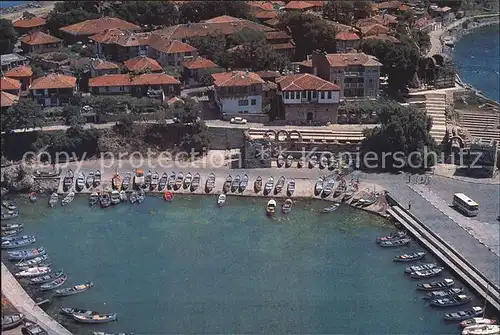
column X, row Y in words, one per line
column 54, row 199
column 269, row 185
column 291, row 187
column 80, row 182
column 287, row 206
column 318, row 188
column 133, row 197
column 477, row 322
column 123, row 196
column 271, row 207
column 115, row 197
column 221, row 200
column 33, row 272
column 141, row 196
column 68, row 198
column 481, row 330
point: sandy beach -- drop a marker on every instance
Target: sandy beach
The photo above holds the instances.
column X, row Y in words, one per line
column 47, row 6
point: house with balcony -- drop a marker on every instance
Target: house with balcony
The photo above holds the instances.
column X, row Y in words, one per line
column 22, row 73
column 10, row 85
column 142, row 64
column 169, row 52
column 53, row 89
column 39, row 42
column 101, row 67
column 119, row 45
column 29, row 25
column 357, row 74
column 308, row 98
column 193, row 69
column 81, row 31
column 281, row 42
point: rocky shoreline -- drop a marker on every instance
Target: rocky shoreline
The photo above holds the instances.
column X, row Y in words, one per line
column 24, row 6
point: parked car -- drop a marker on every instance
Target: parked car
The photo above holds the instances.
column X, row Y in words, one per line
column 238, row 120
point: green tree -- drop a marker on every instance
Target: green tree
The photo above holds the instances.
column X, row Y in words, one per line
column 24, row 114
column 66, row 13
column 245, row 36
column 258, row 55
column 187, row 111
column 8, row 36
column 205, row 75
column 211, row 46
column 72, row 115
column 196, row 11
column 196, row 138
column 148, row 12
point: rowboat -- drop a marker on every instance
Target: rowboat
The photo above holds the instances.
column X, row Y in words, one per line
column 11, row 226
column 97, row 178
column 227, row 184
column 32, row 328
column 163, row 181
column 6, row 215
column 44, row 264
column 328, row 188
column 96, row 318
column 33, row 272
column 271, row 207
column 196, row 182
column 133, row 197
column 420, row 267
column 280, row 161
column 115, row 197
column 395, row 243
column 457, row 300
column 10, row 321
column 341, row 188
column 477, row 321
column 179, row 180
column 464, row 315
column 367, row 201
column 58, row 282
column 482, row 330
column 287, row 206
column 187, row 180
column 126, row 181
column 444, row 294
column 45, row 278
column 411, row 257
column 47, row 174
column 147, row 180
column 279, row 185
column 33, row 197
column 90, row 179
column 138, row 179
column 68, row 198
column 318, row 187
column 26, row 254
column 68, row 180
column 391, row 237
column 33, row 261
column 168, row 196
column 427, row 273
column 332, row 163
column 436, row 285
column 11, row 232
column 141, row 196
column 123, row 196
column 236, row 183
column 18, row 243
column 351, row 191
column 221, row 199
column 257, row 185
column 69, row 311
column 93, row 198
column 210, row 183
column 171, row 181
column 105, row 200
column 73, row 290
column 323, row 162
column 244, row 183
column 116, row 182
column 301, row 162
column 269, row 185
column 8, row 205
column 16, row 238
column 291, row 187
column 155, row 179
column 330, row 208
column 80, row 182
column 289, row 161
column 313, row 162
column 54, row 199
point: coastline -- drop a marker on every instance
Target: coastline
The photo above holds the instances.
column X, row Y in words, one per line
column 16, row 12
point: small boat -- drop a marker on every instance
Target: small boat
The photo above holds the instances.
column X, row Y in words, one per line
column 69, row 311
column 477, row 321
column 444, row 294
column 16, row 238
column 279, row 185
column 18, row 243
column 33, row 261
column 171, row 181
column 289, row 161
column 73, row 290
column 126, row 181
column 323, row 162
column 68, row 180
column 257, row 185
column 26, row 254
column 116, row 182
column 93, row 198
column 10, row 321
column 97, row 178
column 427, row 273
column 123, row 196
column 133, row 197
column 32, row 328
column 89, row 182
column 464, row 315
column 313, row 162
column 187, row 180
column 302, row 162
column 436, row 285
column 318, row 187
column 280, row 161
column 115, row 197
column 155, row 179
column 482, row 330
column 11, row 232
column 96, row 318
column 328, row 188
column 332, row 163
column 33, row 272
column 221, row 200
column 45, row 278
column 271, row 207
column 47, row 174
column 138, row 179
column 269, row 185
column 420, row 267
column 227, row 184
column 287, row 206
column 105, row 200
column 457, row 300
column 210, row 183
column 141, row 196
column 341, row 188
column 9, row 215
column 147, row 180
column 243, row 183
column 391, row 237
column 351, row 191
column 54, row 199
column 33, row 197
column 163, row 181
column 330, row 208
column 58, row 282
column 11, row 226
column 370, row 200
column 68, row 198
column 411, row 257
column 168, row 196
column 9, row 205
column 80, row 182
column 235, row 185
column 290, row 189
column 395, row 243
column 179, row 180
column 45, row 264
column 196, row 182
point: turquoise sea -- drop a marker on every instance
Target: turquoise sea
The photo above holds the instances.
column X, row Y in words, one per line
column 4, row 4
column 477, row 57
column 189, row 267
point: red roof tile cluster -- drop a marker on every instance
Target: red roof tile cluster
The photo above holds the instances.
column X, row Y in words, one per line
column 264, row 15
column 263, row 5
column 131, row 80
column 347, row 36
column 269, row 74
column 92, row 27
column 199, row 63
column 299, row 5
column 8, row 99
column 124, row 38
column 339, row 27
column 384, row 20
column 169, row 46
column 19, row 72
column 374, row 29
column 53, row 80
column 423, row 22
column 272, row 22
column 39, row 38
column 9, row 84
column 389, row 5
column 101, row 64
column 350, row 59
column 383, row 37
column 305, row 82
column 37, row 21
column 142, row 63
column 236, row 78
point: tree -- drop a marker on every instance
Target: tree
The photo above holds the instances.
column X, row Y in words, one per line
column 72, row 115
column 196, row 138
column 66, row 13
column 8, row 36
column 339, row 11
column 196, row 11
column 258, row 55
column 187, row 111
column 205, row 75
column 148, row 12
column 24, row 114
column 210, row 46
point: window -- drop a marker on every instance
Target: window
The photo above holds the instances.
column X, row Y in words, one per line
column 253, row 88
column 107, row 88
column 335, row 81
column 287, row 95
column 122, row 89
column 329, row 94
column 243, row 102
column 253, row 102
column 230, row 90
column 370, row 81
column 315, row 94
column 187, row 54
column 322, row 95
column 297, row 95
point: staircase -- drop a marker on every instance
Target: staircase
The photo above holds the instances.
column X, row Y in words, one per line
column 435, row 106
column 482, row 125
column 316, row 135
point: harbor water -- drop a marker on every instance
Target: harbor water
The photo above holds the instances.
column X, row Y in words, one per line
column 190, row 267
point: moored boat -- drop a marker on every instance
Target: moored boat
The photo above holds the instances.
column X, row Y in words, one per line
column 96, row 318
column 332, row 162
column 436, row 285
column 89, row 181
column 45, row 278
column 155, row 179
column 116, row 181
column 10, row 321
column 115, row 197
column 279, row 185
column 196, row 182
column 6, row 215
column 227, row 184
column 26, row 254
column 54, row 199
column 330, row 208
column 302, row 162
column 179, row 180
column 11, row 226
column 105, row 200
column 138, row 181
column 288, row 161
column 328, row 187
column 11, row 232
column 93, row 198
column 123, row 196
column 168, row 196
column 33, row 197
column 341, row 188
column 457, row 300
column 9, row 205
column 477, row 321
column 97, row 178
column 397, row 235
column 171, row 181
column 187, row 180
column 464, row 315
column 280, row 161
column 323, row 162
column 290, row 189
column 54, row 283
column 80, row 182
column 221, row 200
column 443, row 294
column 313, row 161
column 210, row 183
column 44, row 264
column 395, row 243
column 126, row 181
column 426, row 273
column 243, row 183
column 69, row 311
column 33, row 272
column 18, row 243
column 367, row 201
column 318, row 187
column 147, row 180
column 133, row 197
column 410, row 257
column 268, row 187
column 16, row 238
column 271, row 207
column 73, row 290
column 163, row 181
column 32, row 328
column 235, row 185
column 68, row 180
column 31, row 262
column 68, row 198
column 141, row 196
column 350, row 192
column 257, row 185
column 287, row 206
column 420, row 267
column 482, row 330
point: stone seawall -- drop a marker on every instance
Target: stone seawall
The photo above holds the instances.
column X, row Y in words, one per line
column 226, row 138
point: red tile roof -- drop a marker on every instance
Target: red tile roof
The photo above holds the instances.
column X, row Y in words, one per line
column 199, row 63
column 306, row 63
column 264, row 14
column 305, row 82
column 339, row 27
column 272, row 22
column 29, row 23
column 263, row 5
column 19, row 72
column 92, row 27
column 383, row 37
column 423, row 22
column 299, row 5
column 142, row 63
column 269, row 74
column 276, row 35
column 404, row 7
column 53, row 80
column 101, row 64
column 236, row 78
column 374, row 29
column 8, row 99
column 125, row 38
column 347, row 36
column 131, row 80
column 349, row 59
column 169, row 46
column 9, row 84
column 39, row 38
column 282, row 46
column 389, row 5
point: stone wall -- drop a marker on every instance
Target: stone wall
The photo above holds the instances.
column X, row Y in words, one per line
column 321, row 113
column 226, row 138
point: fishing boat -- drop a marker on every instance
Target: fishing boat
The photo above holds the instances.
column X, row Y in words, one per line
column 26, row 254
column 328, row 188
column 301, row 162
column 155, row 179
column 477, row 321
column 33, row 272
column 45, row 264
column 221, row 200
column 141, row 196
column 280, row 161
column 287, row 206
column 420, row 267
column 138, row 179
column 427, row 273
column 80, row 182
column 68, row 198
column 367, row 201
column 123, row 196
column 18, row 243
column 271, row 207
column 171, row 181
column 268, row 187
column 436, row 285
column 351, row 191
column 482, row 330
column 93, row 198
column 33, row 197
column 105, row 200
column 243, row 183
column 290, row 189
column 147, row 180
column 163, row 181
column 11, row 232
column 187, row 180
column 73, row 290
column 395, row 243
column 96, row 318
column 51, row 285
column 288, row 161
column 330, row 208
column 11, row 226
column 168, row 196
column 235, row 185
column 115, row 197
column 313, row 162
column 47, row 174
column 33, row 261
column 68, row 180
column 133, row 197
column 9, row 215
column 179, row 180
column 69, row 311
column 323, row 162
column 16, row 238
column 257, row 185
column 341, row 188
column 279, row 185
column 444, row 294
column 196, row 182
column 397, row 235
column 10, row 321
column 45, row 278
column 8, row 205
column 116, row 181
column 227, row 184
column 126, row 181
column 411, row 257
column 89, row 181
column 210, row 183
column 332, row 163
column 318, row 187
column 457, row 300
column 464, row 315
column 97, row 178
column 32, row 328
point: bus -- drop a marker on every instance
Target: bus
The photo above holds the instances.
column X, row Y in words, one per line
column 465, row 204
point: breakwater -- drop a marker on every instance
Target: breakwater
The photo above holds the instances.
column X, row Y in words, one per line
column 468, row 25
